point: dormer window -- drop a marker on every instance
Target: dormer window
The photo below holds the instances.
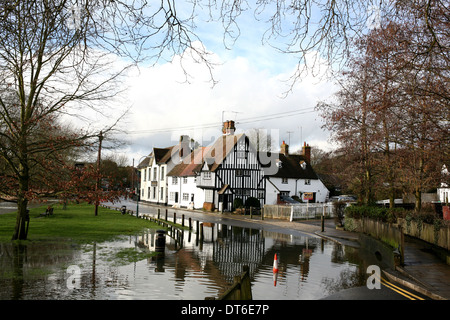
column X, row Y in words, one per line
column 303, row 165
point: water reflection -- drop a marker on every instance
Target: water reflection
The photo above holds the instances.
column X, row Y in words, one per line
column 195, row 265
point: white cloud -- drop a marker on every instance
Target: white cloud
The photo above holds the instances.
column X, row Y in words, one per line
column 162, row 99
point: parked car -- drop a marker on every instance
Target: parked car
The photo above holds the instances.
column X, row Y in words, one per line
column 344, row 198
column 288, row 200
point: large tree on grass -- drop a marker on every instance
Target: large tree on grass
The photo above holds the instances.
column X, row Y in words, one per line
column 61, row 57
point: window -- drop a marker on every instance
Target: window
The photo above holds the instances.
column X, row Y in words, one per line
column 185, row 180
column 145, row 177
column 155, row 175
column 284, row 180
column 207, row 175
column 239, row 173
column 308, row 182
column 208, row 195
column 161, row 194
column 148, row 193
column 185, row 196
column 247, row 173
column 162, row 173
column 172, row 196
column 242, row 155
column 260, row 194
column 174, row 180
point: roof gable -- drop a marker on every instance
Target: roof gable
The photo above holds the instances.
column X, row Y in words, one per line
column 294, row 166
column 217, row 153
column 190, row 165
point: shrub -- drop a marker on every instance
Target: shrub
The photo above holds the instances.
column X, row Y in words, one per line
column 238, row 203
column 339, row 212
column 252, row 202
column 376, row 213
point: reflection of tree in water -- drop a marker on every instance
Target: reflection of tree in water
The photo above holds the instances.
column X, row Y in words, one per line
column 349, row 277
column 24, row 266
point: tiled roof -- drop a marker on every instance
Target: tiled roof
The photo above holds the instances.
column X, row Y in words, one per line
column 291, row 167
column 190, row 165
column 220, row 149
column 146, row 162
column 163, row 155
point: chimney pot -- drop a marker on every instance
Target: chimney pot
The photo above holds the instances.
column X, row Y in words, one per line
column 307, row 152
column 284, row 149
column 228, row 127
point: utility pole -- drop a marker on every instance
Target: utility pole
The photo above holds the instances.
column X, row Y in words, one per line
column 97, row 200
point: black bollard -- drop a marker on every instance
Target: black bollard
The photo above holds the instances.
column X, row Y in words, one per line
column 160, row 241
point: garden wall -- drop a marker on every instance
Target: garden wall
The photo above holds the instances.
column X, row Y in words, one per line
column 431, row 233
column 388, row 233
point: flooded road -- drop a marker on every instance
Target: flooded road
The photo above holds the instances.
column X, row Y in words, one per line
column 192, row 267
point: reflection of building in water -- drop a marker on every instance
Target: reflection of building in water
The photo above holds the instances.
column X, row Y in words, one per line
column 236, row 247
column 304, row 260
column 223, row 251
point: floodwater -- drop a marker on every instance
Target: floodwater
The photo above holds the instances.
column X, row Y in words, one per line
column 191, row 268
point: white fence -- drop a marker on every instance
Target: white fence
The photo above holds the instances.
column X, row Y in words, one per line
column 311, row 211
column 300, row 211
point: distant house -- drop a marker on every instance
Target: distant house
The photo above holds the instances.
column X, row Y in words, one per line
column 443, row 192
column 214, row 177
column 182, row 181
column 154, row 169
column 295, row 177
column 231, row 170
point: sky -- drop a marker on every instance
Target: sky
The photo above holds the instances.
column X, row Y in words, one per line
column 252, row 81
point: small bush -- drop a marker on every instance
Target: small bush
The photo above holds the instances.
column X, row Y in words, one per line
column 238, row 203
column 376, row 213
column 252, row 202
column 339, row 212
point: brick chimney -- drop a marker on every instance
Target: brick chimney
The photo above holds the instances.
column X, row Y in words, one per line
column 184, row 148
column 307, row 152
column 228, row 127
column 284, row 149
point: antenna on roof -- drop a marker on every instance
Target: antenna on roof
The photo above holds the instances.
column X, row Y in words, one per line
column 235, row 112
column 289, row 133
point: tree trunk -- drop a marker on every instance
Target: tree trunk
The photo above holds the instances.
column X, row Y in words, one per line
column 418, row 199
column 20, row 230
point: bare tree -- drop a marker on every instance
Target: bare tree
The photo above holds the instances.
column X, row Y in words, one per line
column 66, row 56
column 61, row 57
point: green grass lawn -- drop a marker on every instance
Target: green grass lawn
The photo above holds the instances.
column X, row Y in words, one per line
column 77, row 223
